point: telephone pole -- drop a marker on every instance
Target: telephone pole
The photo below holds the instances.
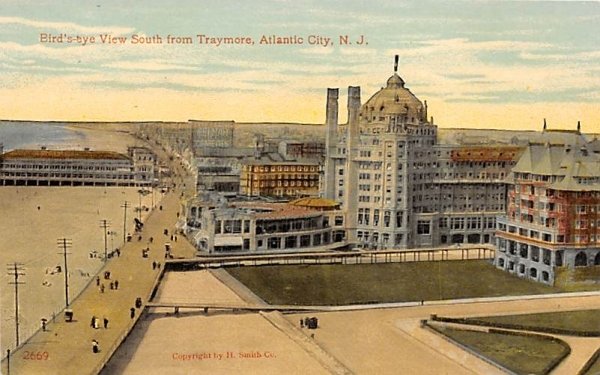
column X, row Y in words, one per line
column 105, row 225
column 64, row 243
column 125, row 206
column 16, row 270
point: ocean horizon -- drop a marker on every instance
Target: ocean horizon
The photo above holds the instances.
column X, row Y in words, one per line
column 25, row 134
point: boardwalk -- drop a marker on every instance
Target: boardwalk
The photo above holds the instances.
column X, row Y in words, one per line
column 66, row 347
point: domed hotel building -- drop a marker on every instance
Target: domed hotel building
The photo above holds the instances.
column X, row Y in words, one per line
column 399, row 187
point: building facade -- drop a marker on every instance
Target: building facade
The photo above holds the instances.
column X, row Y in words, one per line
column 553, row 216
column 280, row 179
column 217, row 226
column 397, row 186
column 73, row 168
column 144, row 165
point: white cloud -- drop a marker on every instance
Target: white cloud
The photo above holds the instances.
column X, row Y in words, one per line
column 154, row 65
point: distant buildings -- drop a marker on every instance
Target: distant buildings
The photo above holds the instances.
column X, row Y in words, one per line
column 218, row 226
column 553, row 219
column 397, row 186
column 77, row 168
column 280, row 179
column 144, row 164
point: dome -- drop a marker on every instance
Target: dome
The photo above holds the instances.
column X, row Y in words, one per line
column 394, row 100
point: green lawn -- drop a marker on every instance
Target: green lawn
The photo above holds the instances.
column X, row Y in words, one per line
column 390, row 282
column 521, row 354
column 594, row 368
column 584, row 321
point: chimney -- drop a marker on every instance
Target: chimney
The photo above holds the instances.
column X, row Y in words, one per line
column 331, row 123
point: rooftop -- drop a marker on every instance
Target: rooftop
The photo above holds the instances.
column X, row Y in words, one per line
column 64, row 154
column 486, row 153
column 279, row 210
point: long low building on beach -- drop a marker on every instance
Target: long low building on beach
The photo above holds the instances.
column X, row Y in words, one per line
column 77, row 168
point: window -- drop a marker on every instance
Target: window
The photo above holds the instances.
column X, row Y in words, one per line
column 274, row 243
column 423, row 227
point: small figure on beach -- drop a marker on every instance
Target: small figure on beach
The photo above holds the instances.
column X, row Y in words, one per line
column 112, row 285
column 93, row 322
column 97, row 280
column 95, row 346
column 105, row 323
column 102, row 288
column 44, row 321
column 116, row 284
column 132, row 313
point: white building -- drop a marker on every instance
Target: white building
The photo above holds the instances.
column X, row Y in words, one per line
column 397, row 186
column 74, row 168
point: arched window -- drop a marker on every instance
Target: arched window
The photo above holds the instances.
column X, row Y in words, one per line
column 580, row 259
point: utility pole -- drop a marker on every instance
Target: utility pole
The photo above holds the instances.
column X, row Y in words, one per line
column 16, row 270
column 105, row 225
column 125, row 206
column 64, row 243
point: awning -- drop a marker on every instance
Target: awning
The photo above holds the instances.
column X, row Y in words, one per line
column 228, row 241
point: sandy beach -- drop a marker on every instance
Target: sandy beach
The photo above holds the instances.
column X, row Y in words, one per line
column 29, row 236
column 32, row 220
column 113, row 137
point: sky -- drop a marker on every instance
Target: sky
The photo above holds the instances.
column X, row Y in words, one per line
column 479, row 64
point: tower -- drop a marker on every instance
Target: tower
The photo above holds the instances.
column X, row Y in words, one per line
column 331, row 141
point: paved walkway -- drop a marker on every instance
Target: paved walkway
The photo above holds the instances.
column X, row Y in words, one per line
column 66, row 347
column 391, row 341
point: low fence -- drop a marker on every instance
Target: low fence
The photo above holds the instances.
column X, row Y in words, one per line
column 515, row 326
column 350, row 257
